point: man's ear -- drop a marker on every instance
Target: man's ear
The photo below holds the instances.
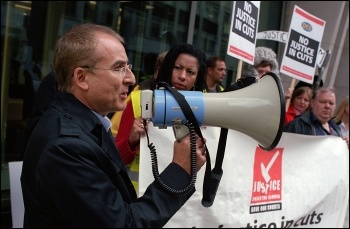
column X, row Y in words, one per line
column 80, row 77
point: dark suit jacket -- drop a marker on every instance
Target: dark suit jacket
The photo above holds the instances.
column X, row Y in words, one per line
column 73, row 176
column 306, row 123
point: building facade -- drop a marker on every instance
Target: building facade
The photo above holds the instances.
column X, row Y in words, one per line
column 29, row 30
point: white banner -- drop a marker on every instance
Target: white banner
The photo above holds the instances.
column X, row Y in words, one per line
column 303, row 182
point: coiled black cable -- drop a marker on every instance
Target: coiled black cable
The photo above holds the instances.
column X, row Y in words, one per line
column 154, row 161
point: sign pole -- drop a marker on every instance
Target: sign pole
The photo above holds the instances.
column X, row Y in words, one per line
column 321, row 70
column 288, row 99
column 239, row 69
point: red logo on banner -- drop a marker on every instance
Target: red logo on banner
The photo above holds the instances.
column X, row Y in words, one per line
column 267, row 180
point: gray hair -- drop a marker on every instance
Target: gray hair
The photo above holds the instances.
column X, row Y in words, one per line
column 262, row 54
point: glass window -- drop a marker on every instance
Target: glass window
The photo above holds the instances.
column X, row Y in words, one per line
column 29, row 30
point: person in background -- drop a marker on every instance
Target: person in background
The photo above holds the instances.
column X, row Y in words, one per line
column 183, row 68
column 318, row 120
column 300, row 102
column 146, row 84
column 46, row 92
column 215, row 74
column 341, row 116
column 134, row 101
column 72, row 174
column 264, row 61
column 289, row 92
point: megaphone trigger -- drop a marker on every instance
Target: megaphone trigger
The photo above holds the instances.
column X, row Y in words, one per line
column 180, row 131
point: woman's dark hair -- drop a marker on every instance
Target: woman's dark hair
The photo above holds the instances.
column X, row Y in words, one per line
column 166, row 69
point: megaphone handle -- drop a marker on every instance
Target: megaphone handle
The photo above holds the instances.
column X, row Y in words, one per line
column 194, row 128
column 180, row 131
column 155, row 170
column 215, row 181
column 211, row 183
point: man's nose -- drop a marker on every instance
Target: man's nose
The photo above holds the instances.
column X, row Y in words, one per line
column 130, row 77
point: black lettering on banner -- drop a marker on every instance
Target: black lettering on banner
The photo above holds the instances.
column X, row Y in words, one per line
column 265, row 208
column 275, row 35
column 245, row 20
column 302, row 48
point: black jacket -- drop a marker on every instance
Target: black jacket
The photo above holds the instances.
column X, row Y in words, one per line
column 241, row 83
column 305, row 124
column 73, row 176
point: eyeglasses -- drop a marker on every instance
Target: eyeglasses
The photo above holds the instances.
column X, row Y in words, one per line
column 121, row 70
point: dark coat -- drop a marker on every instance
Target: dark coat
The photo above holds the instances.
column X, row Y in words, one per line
column 73, row 176
column 241, row 83
column 303, row 124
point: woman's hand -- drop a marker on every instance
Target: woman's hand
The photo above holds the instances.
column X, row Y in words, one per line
column 137, row 130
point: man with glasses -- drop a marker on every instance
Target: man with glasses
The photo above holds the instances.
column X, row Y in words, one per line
column 121, row 70
column 73, row 175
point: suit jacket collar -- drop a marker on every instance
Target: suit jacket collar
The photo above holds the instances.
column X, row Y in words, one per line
column 84, row 119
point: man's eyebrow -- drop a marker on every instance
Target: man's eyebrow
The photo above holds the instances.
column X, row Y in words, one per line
column 121, row 62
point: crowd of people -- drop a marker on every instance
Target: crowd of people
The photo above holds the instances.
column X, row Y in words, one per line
column 83, row 170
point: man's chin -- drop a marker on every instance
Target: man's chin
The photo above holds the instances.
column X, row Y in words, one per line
column 121, row 107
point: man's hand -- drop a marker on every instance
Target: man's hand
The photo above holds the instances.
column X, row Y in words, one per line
column 182, row 153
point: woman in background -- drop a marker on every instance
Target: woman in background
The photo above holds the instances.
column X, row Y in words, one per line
column 183, row 68
column 341, row 116
column 300, row 102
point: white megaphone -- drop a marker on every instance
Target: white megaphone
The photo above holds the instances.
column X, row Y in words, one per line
column 257, row 110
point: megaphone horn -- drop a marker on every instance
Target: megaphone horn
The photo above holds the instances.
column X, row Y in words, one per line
column 257, row 110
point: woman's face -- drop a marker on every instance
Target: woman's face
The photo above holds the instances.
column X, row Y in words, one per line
column 301, row 102
column 185, row 72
